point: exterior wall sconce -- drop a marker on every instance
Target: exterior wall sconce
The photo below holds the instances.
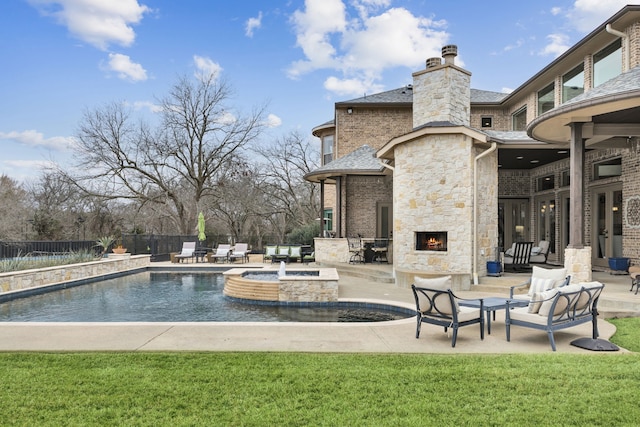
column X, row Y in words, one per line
column 349, row 110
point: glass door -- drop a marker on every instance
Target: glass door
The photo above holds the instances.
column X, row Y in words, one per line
column 513, row 221
column 546, row 221
column 607, row 224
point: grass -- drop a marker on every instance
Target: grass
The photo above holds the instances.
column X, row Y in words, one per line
column 246, row 389
column 27, row 262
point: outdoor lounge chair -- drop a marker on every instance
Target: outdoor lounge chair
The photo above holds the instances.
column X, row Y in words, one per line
column 540, row 253
column 356, row 250
column 309, row 258
column 240, row 251
column 188, row 251
column 221, row 253
column 518, row 258
column 436, row 304
column 380, row 249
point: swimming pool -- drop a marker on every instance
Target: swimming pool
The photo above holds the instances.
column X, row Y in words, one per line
column 177, row 297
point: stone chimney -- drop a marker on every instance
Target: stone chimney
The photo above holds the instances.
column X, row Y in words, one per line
column 442, row 92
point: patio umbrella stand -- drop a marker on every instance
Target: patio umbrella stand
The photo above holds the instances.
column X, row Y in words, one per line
column 595, row 344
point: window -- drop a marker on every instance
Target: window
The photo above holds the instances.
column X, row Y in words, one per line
column 546, row 183
column 546, row 99
column 519, row 119
column 328, row 221
column 607, row 63
column 327, row 149
column 573, row 83
column 608, row 169
column 566, row 179
column 486, row 122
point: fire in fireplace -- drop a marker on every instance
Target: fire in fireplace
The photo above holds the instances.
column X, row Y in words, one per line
column 431, row 240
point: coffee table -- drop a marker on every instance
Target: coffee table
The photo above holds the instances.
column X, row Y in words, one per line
column 491, row 304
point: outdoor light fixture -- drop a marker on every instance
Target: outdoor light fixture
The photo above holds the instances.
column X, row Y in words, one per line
column 349, row 110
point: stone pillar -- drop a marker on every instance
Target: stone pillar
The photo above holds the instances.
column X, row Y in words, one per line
column 578, row 263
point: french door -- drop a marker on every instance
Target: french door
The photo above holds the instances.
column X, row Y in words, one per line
column 513, row 221
column 546, row 221
column 606, row 229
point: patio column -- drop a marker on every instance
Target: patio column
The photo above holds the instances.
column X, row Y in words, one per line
column 576, row 189
column 337, row 215
column 322, row 208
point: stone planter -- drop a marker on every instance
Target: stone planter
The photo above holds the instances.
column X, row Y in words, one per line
column 119, row 251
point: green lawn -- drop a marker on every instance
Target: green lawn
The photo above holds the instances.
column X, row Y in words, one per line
column 192, row 389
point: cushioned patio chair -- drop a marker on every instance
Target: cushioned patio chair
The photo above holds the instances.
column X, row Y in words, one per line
column 221, row 253
column 269, row 252
column 188, row 251
column 240, row 251
column 380, row 250
column 309, row 258
column 436, row 304
column 295, row 253
column 540, row 253
column 518, row 258
column 356, row 250
column 542, row 279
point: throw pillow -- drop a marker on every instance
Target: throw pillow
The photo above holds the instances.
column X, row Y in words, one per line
column 295, row 252
column 549, row 298
column 557, row 274
column 541, row 285
column 271, row 250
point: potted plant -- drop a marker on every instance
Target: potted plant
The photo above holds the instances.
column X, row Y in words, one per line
column 119, row 249
column 104, row 243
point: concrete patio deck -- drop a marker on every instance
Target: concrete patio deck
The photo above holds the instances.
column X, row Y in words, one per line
column 368, row 283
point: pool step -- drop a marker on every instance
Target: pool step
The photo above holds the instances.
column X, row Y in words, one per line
column 380, row 273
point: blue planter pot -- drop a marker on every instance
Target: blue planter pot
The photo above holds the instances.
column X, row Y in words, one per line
column 494, row 268
column 619, row 264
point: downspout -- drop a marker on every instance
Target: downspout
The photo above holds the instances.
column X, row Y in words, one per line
column 625, row 38
column 493, row 148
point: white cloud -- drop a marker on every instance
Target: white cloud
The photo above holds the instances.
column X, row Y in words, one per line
column 588, row 14
column 125, row 68
column 140, row 105
column 206, row 68
column 558, row 44
column 506, row 90
column 97, row 22
column 354, row 86
column 273, row 121
column 253, row 24
column 361, row 48
column 556, row 11
column 32, row 138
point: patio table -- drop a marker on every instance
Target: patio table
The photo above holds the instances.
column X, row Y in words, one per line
column 491, row 304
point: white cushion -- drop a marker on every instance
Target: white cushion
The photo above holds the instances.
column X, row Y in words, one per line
column 283, row 250
column 557, row 274
column 440, row 283
column 536, row 250
column 540, row 285
column 442, row 301
column 271, row 250
column 545, row 308
column 295, row 251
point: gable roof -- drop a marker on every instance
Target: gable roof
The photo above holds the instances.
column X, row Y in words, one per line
column 402, row 95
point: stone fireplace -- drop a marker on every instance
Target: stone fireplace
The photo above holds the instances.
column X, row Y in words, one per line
column 431, row 241
column 436, row 228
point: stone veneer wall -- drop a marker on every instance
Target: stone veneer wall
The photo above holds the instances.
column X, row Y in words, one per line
column 437, row 196
column 441, row 94
column 28, row 279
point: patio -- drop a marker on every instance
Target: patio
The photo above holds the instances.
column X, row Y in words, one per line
column 363, row 282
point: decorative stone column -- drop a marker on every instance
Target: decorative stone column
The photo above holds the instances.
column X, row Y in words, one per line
column 578, row 263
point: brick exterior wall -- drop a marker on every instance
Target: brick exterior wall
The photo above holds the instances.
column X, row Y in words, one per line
column 362, row 195
column 373, row 126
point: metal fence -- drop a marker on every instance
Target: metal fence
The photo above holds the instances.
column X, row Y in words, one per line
column 158, row 246
column 41, row 248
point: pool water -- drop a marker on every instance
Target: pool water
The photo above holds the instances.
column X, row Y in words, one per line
column 173, row 297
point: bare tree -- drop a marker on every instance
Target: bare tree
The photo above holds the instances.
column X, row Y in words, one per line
column 287, row 161
column 15, row 210
column 176, row 164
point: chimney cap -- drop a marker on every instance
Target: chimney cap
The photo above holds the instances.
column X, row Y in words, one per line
column 450, row 49
column 434, row 62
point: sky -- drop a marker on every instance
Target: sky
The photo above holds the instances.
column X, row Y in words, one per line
column 62, row 58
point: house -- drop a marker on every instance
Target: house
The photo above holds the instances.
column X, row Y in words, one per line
column 475, row 171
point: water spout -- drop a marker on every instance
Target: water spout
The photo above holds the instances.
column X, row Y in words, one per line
column 282, row 272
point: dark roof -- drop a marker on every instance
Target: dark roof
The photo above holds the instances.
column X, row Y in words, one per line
column 625, row 82
column 403, row 95
column 486, row 97
column 361, row 161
